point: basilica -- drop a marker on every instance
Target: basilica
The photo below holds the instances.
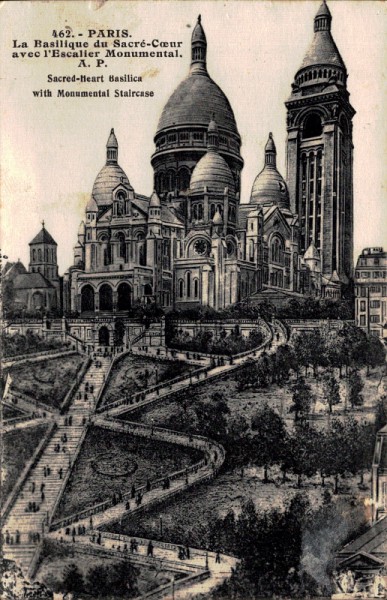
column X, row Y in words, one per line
column 198, row 239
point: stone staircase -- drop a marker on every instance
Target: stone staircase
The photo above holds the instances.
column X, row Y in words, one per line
column 70, row 427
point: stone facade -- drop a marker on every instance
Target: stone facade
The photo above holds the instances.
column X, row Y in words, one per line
column 195, row 241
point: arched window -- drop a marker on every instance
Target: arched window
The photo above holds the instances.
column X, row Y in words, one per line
column 312, row 126
column 188, row 284
column 39, row 255
column 148, row 290
column 122, row 253
column 181, row 288
column 251, row 250
column 33, row 255
column 87, row 298
column 195, row 212
column 184, row 179
column 200, row 212
column 212, row 211
column 120, row 204
column 220, row 209
column 93, row 261
column 141, row 249
column 276, row 250
column 196, row 288
column 171, row 181
column 105, row 297
column 124, row 296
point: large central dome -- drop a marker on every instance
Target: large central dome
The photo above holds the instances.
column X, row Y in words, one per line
column 194, row 102
column 181, row 136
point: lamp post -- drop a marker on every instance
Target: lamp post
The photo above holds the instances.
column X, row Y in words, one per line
column 173, row 587
column 161, row 525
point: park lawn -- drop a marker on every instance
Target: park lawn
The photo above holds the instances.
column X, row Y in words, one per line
column 184, row 518
column 51, row 569
column 9, row 412
column 132, row 374
column 110, row 462
column 247, row 402
column 18, row 447
column 46, row 381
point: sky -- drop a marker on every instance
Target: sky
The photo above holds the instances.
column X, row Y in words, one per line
column 51, row 149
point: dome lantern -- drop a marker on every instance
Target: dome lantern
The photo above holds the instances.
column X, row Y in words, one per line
column 198, row 48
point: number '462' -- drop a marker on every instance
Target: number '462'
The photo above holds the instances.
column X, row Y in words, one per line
column 63, row 33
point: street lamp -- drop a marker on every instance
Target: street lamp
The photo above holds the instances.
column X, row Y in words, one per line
column 173, row 587
column 161, row 525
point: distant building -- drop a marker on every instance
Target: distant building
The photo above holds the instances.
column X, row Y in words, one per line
column 39, row 288
column 371, row 291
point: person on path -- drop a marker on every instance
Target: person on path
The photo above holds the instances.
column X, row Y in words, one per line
column 60, row 473
column 33, row 487
column 150, row 549
column 217, row 559
column 42, row 486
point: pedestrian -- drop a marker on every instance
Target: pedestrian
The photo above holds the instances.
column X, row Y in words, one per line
column 45, row 472
column 187, row 552
column 127, row 505
column 48, row 471
column 60, row 472
column 217, row 559
column 91, row 522
column 32, row 487
column 148, row 485
column 42, row 486
column 70, row 420
column 133, row 491
column 150, row 549
column 42, row 496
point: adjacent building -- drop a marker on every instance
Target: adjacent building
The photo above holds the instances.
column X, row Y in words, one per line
column 371, row 291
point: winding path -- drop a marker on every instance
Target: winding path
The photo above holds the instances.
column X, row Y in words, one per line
column 204, row 570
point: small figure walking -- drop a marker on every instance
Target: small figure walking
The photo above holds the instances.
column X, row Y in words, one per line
column 150, row 549
column 217, row 559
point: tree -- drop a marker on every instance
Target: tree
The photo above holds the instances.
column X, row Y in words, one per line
column 284, row 361
column 270, row 439
column 302, row 398
column 355, row 386
column 303, row 447
column 335, row 450
column 375, row 354
column 72, row 579
column 331, row 390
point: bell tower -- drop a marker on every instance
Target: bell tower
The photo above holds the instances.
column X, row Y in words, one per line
column 320, row 152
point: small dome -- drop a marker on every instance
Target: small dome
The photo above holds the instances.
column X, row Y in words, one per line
column 312, row 253
column 198, row 34
column 112, row 141
column 107, row 179
column 91, row 206
column 154, row 201
column 269, row 187
column 213, row 172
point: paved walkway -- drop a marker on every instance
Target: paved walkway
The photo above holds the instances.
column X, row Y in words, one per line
column 68, row 437
column 37, row 500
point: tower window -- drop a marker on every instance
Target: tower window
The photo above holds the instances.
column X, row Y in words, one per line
column 312, row 126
